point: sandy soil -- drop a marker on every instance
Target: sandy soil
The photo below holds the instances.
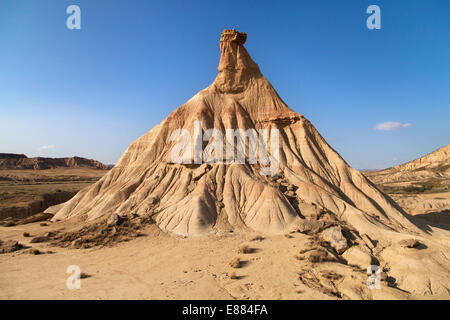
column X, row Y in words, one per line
column 161, row 266
column 155, row 267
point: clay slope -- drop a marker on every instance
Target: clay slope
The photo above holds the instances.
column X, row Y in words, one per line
column 419, row 186
column 19, row 162
column 197, row 199
column 434, row 165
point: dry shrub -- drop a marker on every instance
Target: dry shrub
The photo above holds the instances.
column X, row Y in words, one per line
column 35, row 251
column 245, row 249
column 257, row 238
column 103, row 233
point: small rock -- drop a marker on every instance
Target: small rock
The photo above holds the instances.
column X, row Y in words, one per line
column 43, row 224
column 309, row 211
column 26, row 234
column 291, row 194
column 410, row 243
column 328, row 218
column 309, row 226
column 76, row 243
column 34, row 251
column 275, row 177
column 36, row 218
column 114, row 219
column 336, row 239
column 38, row 239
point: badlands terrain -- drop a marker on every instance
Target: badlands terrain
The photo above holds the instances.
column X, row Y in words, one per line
column 31, row 185
column 298, row 224
column 421, row 187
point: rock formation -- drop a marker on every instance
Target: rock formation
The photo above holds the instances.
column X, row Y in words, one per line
column 419, row 186
column 433, row 165
column 202, row 198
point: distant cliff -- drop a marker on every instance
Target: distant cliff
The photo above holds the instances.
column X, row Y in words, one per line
column 12, row 156
column 435, row 165
column 10, row 161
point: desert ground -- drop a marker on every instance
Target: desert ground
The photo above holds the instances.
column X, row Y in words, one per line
column 160, row 266
column 157, row 265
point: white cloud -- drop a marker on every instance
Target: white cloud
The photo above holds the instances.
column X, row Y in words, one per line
column 51, row 146
column 391, row 126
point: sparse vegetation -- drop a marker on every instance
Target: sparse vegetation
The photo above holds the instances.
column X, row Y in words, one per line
column 245, row 249
column 35, row 251
column 257, row 238
column 102, row 233
column 432, row 185
column 442, row 168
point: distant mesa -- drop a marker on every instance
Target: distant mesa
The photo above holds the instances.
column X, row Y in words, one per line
column 12, row 161
column 12, row 156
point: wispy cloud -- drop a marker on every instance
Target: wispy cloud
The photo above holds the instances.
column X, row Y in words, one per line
column 51, row 146
column 391, row 126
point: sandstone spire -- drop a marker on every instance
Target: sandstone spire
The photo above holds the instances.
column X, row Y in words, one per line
column 236, row 67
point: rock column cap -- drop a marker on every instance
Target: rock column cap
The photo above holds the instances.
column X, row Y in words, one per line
column 233, row 35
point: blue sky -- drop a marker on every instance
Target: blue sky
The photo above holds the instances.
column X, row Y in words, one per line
column 91, row 92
